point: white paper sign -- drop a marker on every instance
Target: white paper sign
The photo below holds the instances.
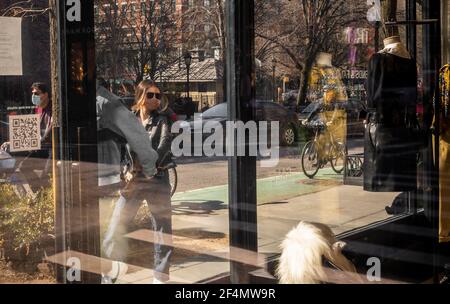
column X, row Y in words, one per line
column 24, row 132
column 10, row 46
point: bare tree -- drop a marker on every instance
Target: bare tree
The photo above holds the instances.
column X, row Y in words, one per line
column 307, row 28
column 204, row 26
column 135, row 39
column 110, row 34
column 201, row 16
column 151, row 43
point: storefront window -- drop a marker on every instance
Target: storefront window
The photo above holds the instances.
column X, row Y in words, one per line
column 183, row 141
column 344, row 161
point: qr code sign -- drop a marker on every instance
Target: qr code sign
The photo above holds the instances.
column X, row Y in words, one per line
column 24, row 132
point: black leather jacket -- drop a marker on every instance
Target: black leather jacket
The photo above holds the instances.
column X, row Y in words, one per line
column 158, row 127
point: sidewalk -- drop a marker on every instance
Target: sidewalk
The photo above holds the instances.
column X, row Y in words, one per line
column 341, row 207
column 200, row 219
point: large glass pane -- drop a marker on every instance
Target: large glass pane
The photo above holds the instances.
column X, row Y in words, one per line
column 26, row 197
column 171, row 51
column 346, row 159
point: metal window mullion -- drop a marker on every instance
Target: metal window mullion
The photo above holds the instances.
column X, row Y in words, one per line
column 240, row 93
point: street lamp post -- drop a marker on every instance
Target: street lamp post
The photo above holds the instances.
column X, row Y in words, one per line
column 274, row 61
column 187, row 61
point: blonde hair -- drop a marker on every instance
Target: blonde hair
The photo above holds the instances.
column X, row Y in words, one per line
column 141, row 95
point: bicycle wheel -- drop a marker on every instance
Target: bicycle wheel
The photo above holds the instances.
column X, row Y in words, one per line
column 173, row 179
column 310, row 159
column 337, row 159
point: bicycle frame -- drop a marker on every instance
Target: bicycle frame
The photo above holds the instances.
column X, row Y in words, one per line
column 328, row 140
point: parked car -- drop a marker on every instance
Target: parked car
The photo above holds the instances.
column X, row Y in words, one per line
column 265, row 111
column 356, row 114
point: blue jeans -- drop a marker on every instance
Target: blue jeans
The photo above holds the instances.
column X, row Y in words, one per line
column 157, row 194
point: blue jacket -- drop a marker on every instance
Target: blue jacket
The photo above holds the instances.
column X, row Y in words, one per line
column 114, row 116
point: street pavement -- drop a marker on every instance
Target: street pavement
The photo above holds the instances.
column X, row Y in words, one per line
column 204, row 172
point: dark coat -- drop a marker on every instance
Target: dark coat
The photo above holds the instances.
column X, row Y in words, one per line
column 390, row 149
column 158, row 128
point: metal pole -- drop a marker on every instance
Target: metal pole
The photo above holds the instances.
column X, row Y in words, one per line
column 58, row 72
column 240, row 95
column 188, row 68
column 436, row 185
column 431, row 63
column 77, row 209
column 274, row 93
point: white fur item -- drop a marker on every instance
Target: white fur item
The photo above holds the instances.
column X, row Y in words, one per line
column 303, row 250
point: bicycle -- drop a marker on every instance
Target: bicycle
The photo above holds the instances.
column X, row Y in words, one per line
column 173, row 176
column 312, row 158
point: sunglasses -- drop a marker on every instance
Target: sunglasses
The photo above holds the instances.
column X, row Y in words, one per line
column 150, row 95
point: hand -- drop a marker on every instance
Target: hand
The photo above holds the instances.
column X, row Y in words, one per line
column 329, row 123
column 128, row 176
column 136, row 184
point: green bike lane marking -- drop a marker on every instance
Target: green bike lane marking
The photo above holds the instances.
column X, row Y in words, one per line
column 269, row 189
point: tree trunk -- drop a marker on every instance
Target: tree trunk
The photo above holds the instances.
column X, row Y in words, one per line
column 223, row 42
column 54, row 64
column 304, row 79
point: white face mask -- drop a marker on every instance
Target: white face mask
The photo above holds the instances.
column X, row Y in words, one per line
column 36, row 100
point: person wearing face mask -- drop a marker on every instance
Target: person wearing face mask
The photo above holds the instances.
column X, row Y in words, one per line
column 37, row 164
column 40, row 98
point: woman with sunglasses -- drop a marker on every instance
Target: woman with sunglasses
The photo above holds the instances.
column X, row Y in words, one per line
column 148, row 108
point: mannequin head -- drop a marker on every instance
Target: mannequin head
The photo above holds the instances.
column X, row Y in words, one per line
column 391, row 40
column 393, row 45
column 324, row 59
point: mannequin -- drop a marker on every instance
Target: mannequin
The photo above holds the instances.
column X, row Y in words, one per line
column 325, row 75
column 393, row 45
column 324, row 59
column 327, row 88
column 444, row 156
column 390, row 150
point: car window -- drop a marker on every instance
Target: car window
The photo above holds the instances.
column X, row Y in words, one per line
column 219, row 110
